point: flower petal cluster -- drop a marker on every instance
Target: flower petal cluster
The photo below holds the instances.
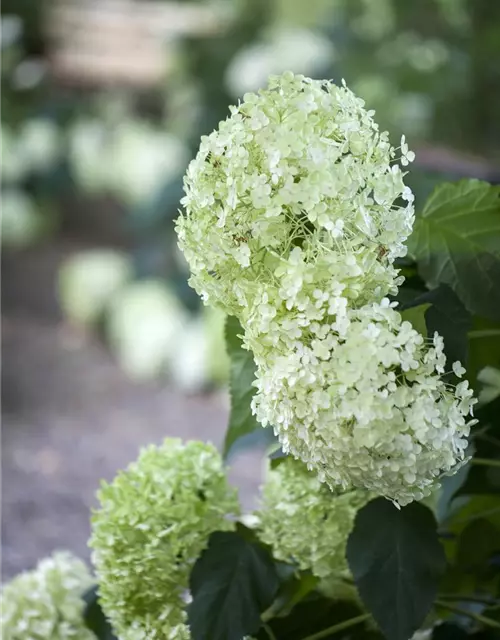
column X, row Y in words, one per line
column 295, row 211
column 304, row 522
column 301, row 164
column 363, row 403
column 47, row 603
column 154, row 521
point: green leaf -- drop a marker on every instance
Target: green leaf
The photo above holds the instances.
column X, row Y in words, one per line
column 232, row 583
column 479, row 542
column 93, row 615
column 446, row 315
column 242, row 422
column 456, row 241
column 416, row 316
column 396, row 561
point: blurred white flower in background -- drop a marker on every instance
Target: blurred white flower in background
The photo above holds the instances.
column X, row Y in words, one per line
column 35, row 148
column 11, row 29
column 39, row 144
column 144, row 323
column 12, row 163
column 490, row 378
column 86, row 148
column 410, row 112
column 376, row 21
column 132, row 161
column 21, row 224
column 199, row 356
column 425, row 55
column 88, row 279
column 144, row 159
column 286, row 48
column 189, row 361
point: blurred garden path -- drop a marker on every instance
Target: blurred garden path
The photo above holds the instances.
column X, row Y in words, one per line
column 71, row 417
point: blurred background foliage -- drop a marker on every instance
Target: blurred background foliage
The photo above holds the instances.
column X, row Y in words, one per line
column 103, row 105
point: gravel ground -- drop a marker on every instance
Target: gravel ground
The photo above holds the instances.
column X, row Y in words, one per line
column 71, row 417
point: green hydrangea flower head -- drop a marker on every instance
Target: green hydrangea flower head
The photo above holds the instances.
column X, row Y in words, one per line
column 305, row 522
column 298, row 177
column 155, row 519
column 46, row 603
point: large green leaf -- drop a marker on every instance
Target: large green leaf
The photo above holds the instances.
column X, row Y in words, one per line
column 232, row 583
column 456, row 241
column 396, row 560
column 479, row 542
column 242, row 422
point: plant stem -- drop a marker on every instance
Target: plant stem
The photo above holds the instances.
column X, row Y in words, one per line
column 269, row 631
column 338, row 627
column 488, row 622
column 485, row 462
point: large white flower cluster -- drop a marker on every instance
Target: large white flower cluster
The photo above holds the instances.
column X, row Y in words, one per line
column 301, row 165
column 305, row 523
column 295, row 211
column 362, row 402
column 47, row 603
column 155, row 520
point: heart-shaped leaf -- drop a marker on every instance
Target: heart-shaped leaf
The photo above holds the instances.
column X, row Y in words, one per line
column 232, row 583
column 396, row 560
column 456, row 241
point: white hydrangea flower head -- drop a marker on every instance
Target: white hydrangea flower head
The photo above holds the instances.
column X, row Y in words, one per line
column 305, row 522
column 363, row 403
column 47, row 603
column 295, row 211
column 296, row 183
column 154, row 521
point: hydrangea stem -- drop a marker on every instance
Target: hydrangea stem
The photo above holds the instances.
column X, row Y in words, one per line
column 485, row 462
column 488, row 622
column 346, row 624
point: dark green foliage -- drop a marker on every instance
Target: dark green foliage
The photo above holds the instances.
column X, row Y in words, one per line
column 242, row 423
column 94, row 616
column 456, row 241
column 445, row 314
column 396, row 561
column 232, row 583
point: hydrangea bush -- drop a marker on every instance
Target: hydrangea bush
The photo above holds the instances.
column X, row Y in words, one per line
column 359, row 335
